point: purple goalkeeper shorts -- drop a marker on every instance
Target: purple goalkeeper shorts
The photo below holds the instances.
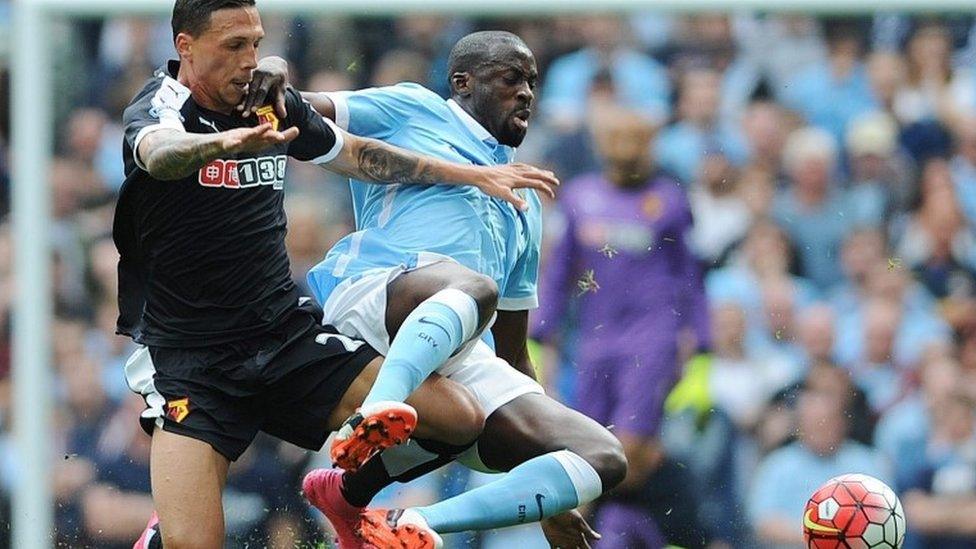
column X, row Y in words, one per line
column 627, row 392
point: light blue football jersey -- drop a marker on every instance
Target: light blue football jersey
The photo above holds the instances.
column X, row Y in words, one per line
column 394, row 223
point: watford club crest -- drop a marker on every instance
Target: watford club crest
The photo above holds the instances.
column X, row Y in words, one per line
column 177, row 410
column 266, row 115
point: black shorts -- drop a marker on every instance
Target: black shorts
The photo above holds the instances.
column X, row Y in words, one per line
column 285, row 383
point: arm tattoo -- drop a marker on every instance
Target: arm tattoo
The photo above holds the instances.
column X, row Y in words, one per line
column 383, row 163
column 177, row 155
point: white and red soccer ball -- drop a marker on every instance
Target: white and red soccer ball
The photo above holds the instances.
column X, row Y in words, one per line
column 853, row 512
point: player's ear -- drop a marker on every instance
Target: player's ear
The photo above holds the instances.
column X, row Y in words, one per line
column 184, row 45
column 461, row 83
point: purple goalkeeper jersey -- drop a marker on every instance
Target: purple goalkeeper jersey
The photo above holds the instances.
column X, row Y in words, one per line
column 623, row 258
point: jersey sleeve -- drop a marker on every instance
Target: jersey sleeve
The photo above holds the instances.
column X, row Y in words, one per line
column 378, row 112
column 319, row 140
column 560, row 269
column 156, row 107
column 521, row 291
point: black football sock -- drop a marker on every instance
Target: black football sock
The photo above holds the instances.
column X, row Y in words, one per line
column 361, row 487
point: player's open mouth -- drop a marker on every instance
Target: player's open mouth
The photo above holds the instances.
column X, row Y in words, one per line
column 521, row 118
column 240, row 85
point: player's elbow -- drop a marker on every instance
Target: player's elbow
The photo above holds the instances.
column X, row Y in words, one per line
column 160, row 170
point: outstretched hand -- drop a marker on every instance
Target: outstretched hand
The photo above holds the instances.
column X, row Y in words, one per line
column 501, row 182
column 268, row 82
column 258, row 138
column 569, row 530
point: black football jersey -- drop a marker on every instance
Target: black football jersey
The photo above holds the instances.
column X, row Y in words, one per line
column 203, row 258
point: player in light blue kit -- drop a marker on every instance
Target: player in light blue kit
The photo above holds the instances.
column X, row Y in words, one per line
column 421, row 280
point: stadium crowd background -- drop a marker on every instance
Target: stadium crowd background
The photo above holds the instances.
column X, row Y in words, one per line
column 831, row 168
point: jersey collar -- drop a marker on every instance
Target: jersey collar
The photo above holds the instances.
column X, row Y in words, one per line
column 503, row 153
column 469, row 122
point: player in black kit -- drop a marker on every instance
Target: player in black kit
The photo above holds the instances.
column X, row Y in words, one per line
column 229, row 347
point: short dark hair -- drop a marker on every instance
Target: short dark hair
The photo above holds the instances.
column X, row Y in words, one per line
column 479, row 48
column 193, row 16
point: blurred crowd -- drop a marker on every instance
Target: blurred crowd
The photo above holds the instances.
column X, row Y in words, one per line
column 830, row 168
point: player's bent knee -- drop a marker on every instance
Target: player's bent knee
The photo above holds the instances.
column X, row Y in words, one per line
column 483, row 289
column 467, row 419
column 608, row 459
column 614, row 465
column 448, row 412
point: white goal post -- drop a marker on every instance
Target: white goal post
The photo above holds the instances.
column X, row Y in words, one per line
column 32, row 133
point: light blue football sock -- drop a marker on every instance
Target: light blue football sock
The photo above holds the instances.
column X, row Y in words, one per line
column 431, row 333
column 541, row 487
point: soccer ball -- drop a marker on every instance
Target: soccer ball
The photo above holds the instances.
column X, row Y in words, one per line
column 853, row 512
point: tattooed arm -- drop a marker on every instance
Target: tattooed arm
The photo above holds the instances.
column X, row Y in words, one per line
column 172, row 154
column 375, row 161
column 372, row 160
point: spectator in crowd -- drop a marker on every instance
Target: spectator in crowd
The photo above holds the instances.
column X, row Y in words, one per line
column 327, row 80
column 765, row 127
column 108, row 348
column 811, row 209
column 640, row 82
column 902, row 431
column 777, row 424
column 398, row 66
column 708, row 40
column 837, row 381
column 263, row 505
column 781, row 45
column 816, row 329
column 740, row 384
column 877, row 373
column 919, row 327
column 879, row 176
column 942, row 499
column 79, row 423
column 571, row 152
column 776, row 336
column 886, row 73
column 787, row 477
column 722, row 217
column 936, row 242
column 104, row 481
column 764, row 257
column 92, row 140
column 963, row 166
column 432, row 37
column 757, row 188
column 831, row 93
column 863, row 250
column 933, row 90
column 698, row 129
